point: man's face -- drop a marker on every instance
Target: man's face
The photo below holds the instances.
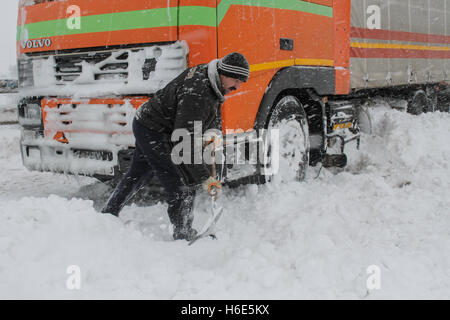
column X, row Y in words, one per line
column 229, row 84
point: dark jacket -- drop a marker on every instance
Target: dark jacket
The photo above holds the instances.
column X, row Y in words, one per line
column 192, row 96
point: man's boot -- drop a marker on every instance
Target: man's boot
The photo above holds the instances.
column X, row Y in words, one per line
column 184, row 230
column 184, row 233
column 180, row 214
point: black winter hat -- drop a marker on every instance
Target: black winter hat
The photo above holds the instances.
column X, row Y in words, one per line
column 234, row 65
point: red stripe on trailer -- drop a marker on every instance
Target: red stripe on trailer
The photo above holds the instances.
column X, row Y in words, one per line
column 398, row 53
column 398, row 35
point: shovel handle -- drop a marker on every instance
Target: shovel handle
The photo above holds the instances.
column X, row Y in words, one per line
column 213, row 168
column 214, row 191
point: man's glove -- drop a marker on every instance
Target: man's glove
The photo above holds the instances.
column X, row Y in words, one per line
column 210, row 184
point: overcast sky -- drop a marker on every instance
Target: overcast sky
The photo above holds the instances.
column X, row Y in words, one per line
column 8, row 22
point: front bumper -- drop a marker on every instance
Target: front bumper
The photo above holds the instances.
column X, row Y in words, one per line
column 44, row 155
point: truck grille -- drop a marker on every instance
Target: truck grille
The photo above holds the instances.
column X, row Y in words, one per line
column 102, row 65
column 140, row 70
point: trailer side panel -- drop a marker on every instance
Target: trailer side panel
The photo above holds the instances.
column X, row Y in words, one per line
column 397, row 42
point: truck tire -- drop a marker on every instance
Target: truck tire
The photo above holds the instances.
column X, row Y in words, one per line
column 363, row 118
column 418, row 103
column 285, row 147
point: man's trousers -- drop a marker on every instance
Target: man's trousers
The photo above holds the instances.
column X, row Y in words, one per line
column 152, row 157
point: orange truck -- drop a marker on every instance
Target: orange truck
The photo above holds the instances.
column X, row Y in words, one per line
column 85, row 66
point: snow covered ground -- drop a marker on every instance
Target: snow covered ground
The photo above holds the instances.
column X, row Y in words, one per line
column 390, row 208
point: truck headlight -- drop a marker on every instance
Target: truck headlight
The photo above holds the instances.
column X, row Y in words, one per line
column 30, row 114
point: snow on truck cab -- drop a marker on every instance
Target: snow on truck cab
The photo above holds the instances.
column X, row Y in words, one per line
column 86, row 66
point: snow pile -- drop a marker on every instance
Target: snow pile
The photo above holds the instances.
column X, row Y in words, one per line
column 388, row 208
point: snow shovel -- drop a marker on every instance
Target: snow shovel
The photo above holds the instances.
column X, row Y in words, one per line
column 216, row 212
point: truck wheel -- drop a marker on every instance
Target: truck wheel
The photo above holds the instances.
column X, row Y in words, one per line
column 285, row 150
column 417, row 103
column 364, row 118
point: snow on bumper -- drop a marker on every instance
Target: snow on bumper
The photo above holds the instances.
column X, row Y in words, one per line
column 80, row 136
column 52, row 156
